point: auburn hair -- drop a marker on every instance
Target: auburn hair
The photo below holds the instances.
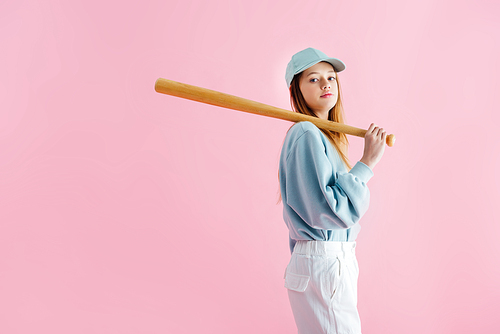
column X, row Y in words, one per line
column 338, row 140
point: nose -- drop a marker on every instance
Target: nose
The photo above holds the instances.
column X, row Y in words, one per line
column 326, row 85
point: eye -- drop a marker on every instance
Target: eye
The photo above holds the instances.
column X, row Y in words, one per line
column 332, row 78
column 313, row 80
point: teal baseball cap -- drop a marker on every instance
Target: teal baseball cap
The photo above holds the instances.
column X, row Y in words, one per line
column 306, row 58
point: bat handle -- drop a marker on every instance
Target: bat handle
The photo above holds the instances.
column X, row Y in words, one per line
column 390, row 140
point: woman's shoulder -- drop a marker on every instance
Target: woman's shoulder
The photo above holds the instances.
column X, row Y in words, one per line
column 303, row 132
column 300, row 128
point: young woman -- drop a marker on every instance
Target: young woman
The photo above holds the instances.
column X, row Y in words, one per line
column 323, row 200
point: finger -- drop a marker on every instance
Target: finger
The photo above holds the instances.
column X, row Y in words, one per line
column 370, row 128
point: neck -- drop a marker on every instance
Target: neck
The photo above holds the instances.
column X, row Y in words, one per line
column 323, row 114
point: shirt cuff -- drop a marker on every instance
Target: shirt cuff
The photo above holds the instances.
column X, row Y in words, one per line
column 362, row 171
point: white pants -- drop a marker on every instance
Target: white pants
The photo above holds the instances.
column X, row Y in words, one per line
column 321, row 279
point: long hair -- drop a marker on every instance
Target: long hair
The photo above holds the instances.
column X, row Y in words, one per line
column 338, row 140
column 336, row 114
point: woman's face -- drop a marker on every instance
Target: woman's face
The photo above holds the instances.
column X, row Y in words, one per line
column 318, row 85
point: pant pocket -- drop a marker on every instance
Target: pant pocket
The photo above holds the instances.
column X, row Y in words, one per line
column 333, row 274
column 296, row 282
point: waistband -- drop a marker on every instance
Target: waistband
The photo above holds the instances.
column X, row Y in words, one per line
column 332, row 248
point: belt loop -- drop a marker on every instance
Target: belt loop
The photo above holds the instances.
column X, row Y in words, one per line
column 308, row 249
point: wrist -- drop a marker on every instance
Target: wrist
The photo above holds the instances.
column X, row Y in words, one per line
column 368, row 163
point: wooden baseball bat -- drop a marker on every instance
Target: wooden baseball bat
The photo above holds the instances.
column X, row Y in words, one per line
column 219, row 99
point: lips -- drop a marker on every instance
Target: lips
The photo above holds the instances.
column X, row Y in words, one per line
column 327, row 95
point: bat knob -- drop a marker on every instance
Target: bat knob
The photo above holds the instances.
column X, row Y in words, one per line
column 390, row 140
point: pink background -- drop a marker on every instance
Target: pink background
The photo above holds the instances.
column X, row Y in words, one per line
column 128, row 211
